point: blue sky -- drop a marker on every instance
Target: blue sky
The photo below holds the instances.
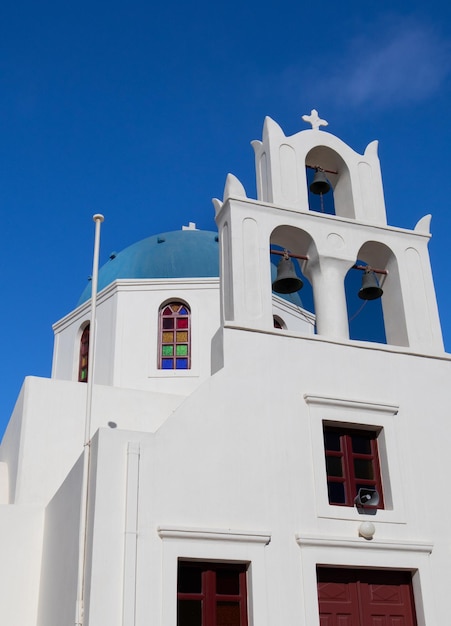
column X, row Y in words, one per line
column 139, row 110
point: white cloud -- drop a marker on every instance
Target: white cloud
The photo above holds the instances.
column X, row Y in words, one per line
column 396, row 62
column 391, row 67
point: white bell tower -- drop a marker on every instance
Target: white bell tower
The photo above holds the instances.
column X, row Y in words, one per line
column 358, row 230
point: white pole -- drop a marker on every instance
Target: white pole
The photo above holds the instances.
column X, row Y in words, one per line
column 79, row 619
column 98, row 219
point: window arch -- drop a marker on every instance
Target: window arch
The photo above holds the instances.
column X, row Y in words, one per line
column 83, row 356
column 174, row 351
column 278, row 322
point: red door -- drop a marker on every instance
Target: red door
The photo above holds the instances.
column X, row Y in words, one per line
column 365, row 597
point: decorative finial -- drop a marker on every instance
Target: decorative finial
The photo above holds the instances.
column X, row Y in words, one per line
column 314, row 120
column 191, row 226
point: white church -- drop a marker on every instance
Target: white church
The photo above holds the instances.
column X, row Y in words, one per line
column 211, row 450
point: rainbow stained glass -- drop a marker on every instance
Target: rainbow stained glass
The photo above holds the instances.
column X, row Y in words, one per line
column 174, row 336
column 83, row 358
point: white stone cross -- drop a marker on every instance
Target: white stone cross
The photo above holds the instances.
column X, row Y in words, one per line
column 314, row 120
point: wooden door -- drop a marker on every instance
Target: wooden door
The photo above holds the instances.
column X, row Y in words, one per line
column 350, row 597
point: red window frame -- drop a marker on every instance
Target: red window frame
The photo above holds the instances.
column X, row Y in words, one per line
column 174, row 350
column 83, row 356
column 209, row 594
column 352, row 462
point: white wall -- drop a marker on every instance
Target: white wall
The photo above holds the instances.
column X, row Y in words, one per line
column 58, row 581
column 45, row 435
column 21, row 529
column 127, row 335
column 241, row 475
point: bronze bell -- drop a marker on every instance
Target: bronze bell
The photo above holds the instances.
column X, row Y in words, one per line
column 320, row 184
column 370, row 289
column 287, row 281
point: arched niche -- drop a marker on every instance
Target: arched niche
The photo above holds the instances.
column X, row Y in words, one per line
column 384, row 316
column 81, row 352
column 340, row 200
column 297, row 242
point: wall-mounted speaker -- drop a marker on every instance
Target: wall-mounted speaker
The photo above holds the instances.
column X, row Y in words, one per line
column 366, row 497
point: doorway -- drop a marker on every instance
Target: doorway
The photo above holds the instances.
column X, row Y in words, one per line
column 350, row 597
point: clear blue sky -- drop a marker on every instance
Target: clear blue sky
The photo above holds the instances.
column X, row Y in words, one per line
column 138, row 110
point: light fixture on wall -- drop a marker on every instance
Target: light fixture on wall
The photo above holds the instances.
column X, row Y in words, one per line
column 367, row 530
column 287, row 281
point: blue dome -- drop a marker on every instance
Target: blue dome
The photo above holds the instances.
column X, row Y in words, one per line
column 177, row 254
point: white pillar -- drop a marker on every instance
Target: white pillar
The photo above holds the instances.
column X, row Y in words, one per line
column 327, row 277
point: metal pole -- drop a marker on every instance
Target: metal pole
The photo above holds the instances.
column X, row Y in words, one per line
column 292, row 256
column 82, row 537
column 365, row 268
column 98, row 219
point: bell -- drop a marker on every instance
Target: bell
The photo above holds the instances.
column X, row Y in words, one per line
column 319, row 184
column 287, row 280
column 370, row 289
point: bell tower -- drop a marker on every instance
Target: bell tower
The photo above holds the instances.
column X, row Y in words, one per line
column 357, row 230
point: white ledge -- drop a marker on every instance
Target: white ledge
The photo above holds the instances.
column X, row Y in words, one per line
column 348, row 343
column 362, row 405
column 337, row 542
column 180, row 532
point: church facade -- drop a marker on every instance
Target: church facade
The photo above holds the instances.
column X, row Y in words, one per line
column 248, row 461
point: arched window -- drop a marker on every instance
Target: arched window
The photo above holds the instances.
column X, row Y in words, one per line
column 278, row 322
column 83, row 359
column 175, row 337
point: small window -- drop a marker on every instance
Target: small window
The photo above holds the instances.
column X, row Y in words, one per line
column 211, row 594
column 83, row 358
column 278, row 322
column 352, row 463
column 175, row 337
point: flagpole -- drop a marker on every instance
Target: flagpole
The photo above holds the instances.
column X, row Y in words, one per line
column 79, row 619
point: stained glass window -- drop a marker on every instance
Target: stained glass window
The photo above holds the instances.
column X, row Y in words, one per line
column 83, row 359
column 175, row 339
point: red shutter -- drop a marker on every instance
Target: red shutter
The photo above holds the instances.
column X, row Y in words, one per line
column 365, row 598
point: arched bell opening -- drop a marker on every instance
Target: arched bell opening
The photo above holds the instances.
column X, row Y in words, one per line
column 365, row 315
column 329, row 183
column 292, row 289
column 374, row 297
